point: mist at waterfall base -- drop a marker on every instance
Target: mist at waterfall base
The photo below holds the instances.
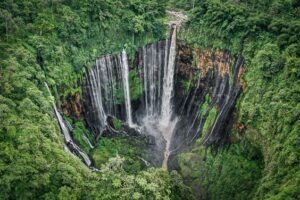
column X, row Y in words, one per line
column 174, row 119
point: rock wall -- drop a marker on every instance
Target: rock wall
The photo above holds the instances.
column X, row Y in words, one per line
column 208, row 83
column 72, row 106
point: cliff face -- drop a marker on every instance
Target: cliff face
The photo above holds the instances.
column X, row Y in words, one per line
column 209, row 59
column 208, row 83
column 72, row 106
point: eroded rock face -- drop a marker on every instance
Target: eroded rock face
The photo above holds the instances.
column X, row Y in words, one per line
column 208, row 83
column 72, row 106
column 184, row 61
column 213, row 59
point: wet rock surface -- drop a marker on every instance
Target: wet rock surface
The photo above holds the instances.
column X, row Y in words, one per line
column 207, row 81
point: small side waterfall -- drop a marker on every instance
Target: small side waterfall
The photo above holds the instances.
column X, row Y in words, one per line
column 82, row 154
column 67, row 137
column 87, row 140
column 61, row 122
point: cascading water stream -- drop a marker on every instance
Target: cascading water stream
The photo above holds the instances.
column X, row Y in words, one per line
column 61, row 122
column 87, row 140
column 67, row 136
column 82, row 154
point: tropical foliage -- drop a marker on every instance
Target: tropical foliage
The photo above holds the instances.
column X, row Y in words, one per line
column 266, row 33
column 52, row 41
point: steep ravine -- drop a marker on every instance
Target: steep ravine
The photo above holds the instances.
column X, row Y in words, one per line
column 207, row 84
column 169, row 97
column 150, row 99
column 202, row 105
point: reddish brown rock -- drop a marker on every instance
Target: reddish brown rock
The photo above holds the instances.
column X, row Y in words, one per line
column 72, row 106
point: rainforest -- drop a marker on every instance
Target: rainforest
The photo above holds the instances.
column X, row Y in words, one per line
column 150, row 99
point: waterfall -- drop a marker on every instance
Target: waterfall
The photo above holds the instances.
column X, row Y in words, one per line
column 168, row 82
column 158, row 62
column 67, row 149
column 125, row 74
column 152, row 58
column 67, row 137
column 95, row 94
column 86, row 139
column 106, row 82
column 229, row 98
column 107, row 93
column 82, row 154
column 61, row 122
column 146, row 80
column 167, row 124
